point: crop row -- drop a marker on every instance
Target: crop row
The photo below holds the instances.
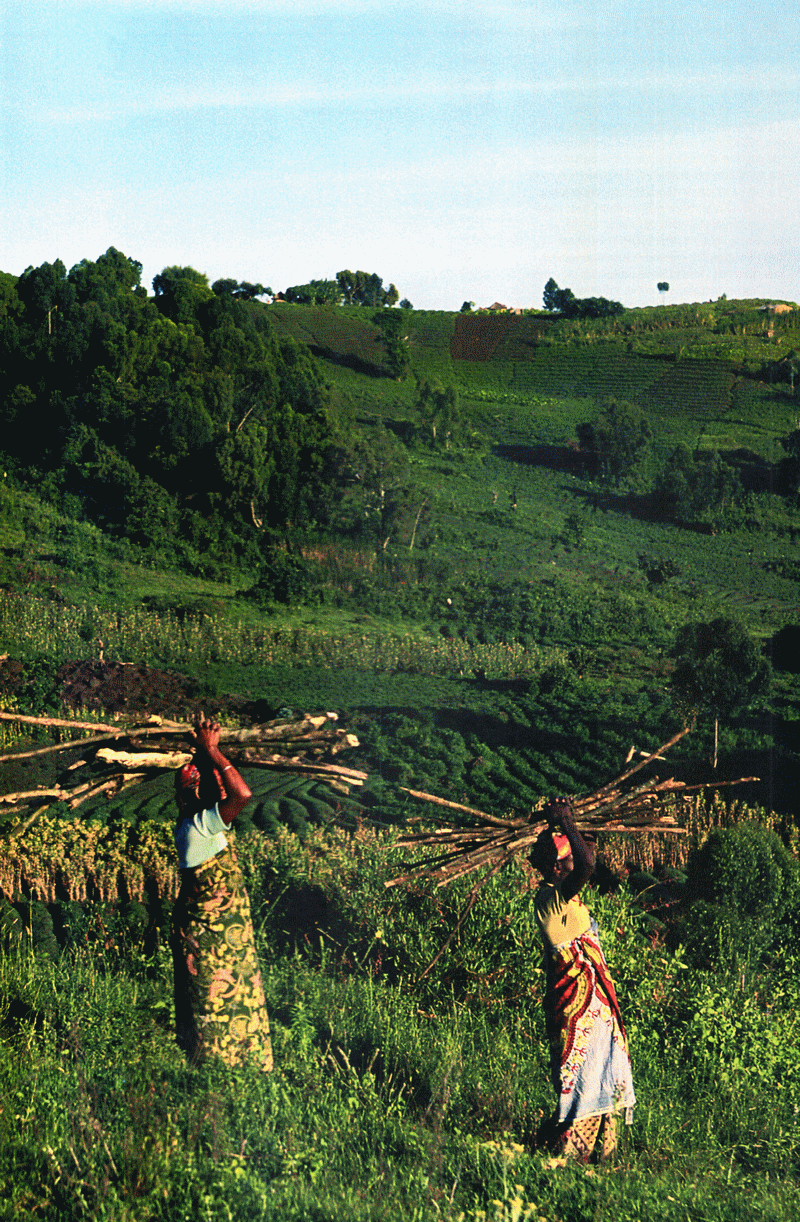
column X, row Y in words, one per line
column 85, row 858
column 37, row 627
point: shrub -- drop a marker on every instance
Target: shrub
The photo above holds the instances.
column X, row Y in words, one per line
column 745, row 889
column 285, row 577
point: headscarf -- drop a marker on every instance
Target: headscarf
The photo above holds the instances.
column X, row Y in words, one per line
column 563, row 846
column 187, row 777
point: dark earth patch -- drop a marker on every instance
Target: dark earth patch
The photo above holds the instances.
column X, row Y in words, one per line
column 116, row 687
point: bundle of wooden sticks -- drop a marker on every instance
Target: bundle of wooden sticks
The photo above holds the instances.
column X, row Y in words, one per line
column 118, row 756
column 472, row 840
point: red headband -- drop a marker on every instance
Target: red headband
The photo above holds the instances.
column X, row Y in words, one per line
column 187, row 777
column 563, row 846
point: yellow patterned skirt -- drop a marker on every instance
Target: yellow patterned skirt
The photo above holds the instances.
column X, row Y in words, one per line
column 219, row 998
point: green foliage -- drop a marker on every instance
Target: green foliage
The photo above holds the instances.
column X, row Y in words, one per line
column 438, row 416
column 746, row 892
column 176, row 421
column 370, row 475
column 242, row 289
column 391, row 324
column 747, row 868
column 40, row 687
column 316, row 292
column 694, row 489
column 283, row 577
column 658, row 569
column 180, row 291
column 719, row 668
column 390, row 1094
column 574, row 534
column 570, row 306
column 211, row 470
column 790, row 468
column 617, row 442
column 365, row 289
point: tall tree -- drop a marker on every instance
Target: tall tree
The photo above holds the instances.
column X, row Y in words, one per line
column 439, row 415
column 316, row 292
column 391, row 324
column 365, row 289
column 367, row 481
column 179, row 291
column 242, row 289
column 566, row 303
column 693, row 488
column 617, row 442
column 719, row 670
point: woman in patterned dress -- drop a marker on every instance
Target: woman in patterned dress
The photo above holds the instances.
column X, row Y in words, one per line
column 219, row 998
column 590, row 1065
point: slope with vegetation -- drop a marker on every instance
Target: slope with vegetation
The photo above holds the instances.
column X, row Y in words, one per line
column 505, row 550
column 510, row 517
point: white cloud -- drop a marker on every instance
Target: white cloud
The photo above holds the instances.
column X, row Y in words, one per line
column 304, row 95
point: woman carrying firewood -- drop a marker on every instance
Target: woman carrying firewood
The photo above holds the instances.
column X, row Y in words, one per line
column 219, row 999
column 589, row 1059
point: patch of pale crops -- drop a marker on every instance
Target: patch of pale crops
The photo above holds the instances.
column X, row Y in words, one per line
column 32, row 626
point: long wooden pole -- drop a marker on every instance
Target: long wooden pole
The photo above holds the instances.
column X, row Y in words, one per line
column 465, row 810
column 57, row 721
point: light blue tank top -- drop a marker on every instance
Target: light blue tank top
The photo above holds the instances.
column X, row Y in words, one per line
column 200, row 837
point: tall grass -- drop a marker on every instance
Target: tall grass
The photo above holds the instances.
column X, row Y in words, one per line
column 393, row 1095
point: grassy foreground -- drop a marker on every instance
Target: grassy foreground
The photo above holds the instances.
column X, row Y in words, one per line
column 395, row 1095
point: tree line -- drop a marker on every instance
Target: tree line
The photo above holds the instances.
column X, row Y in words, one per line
column 348, row 288
column 179, row 417
column 564, row 302
column 183, row 423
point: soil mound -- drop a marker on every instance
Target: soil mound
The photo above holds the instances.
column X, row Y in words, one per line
column 117, row 687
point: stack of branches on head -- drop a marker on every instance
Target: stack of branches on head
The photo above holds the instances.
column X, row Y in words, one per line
column 117, row 756
column 473, row 840
column 488, row 843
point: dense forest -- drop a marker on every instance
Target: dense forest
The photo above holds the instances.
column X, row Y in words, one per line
column 178, row 418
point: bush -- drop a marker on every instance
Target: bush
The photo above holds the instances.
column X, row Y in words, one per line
column 745, row 892
column 747, row 868
column 27, row 923
column 285, row 578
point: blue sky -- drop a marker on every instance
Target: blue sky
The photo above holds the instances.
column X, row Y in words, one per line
column 463, row 150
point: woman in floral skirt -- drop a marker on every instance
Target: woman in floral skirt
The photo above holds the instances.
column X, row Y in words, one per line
column 590, row 1065
column 219, row 998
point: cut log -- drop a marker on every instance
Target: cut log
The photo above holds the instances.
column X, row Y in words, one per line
column 144, row 759
column 27, row 794
column 111, row 786
column 57, row 721
column 465, row 810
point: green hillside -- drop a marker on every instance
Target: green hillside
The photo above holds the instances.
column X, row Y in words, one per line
column 510, row 553
column 445, row 500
